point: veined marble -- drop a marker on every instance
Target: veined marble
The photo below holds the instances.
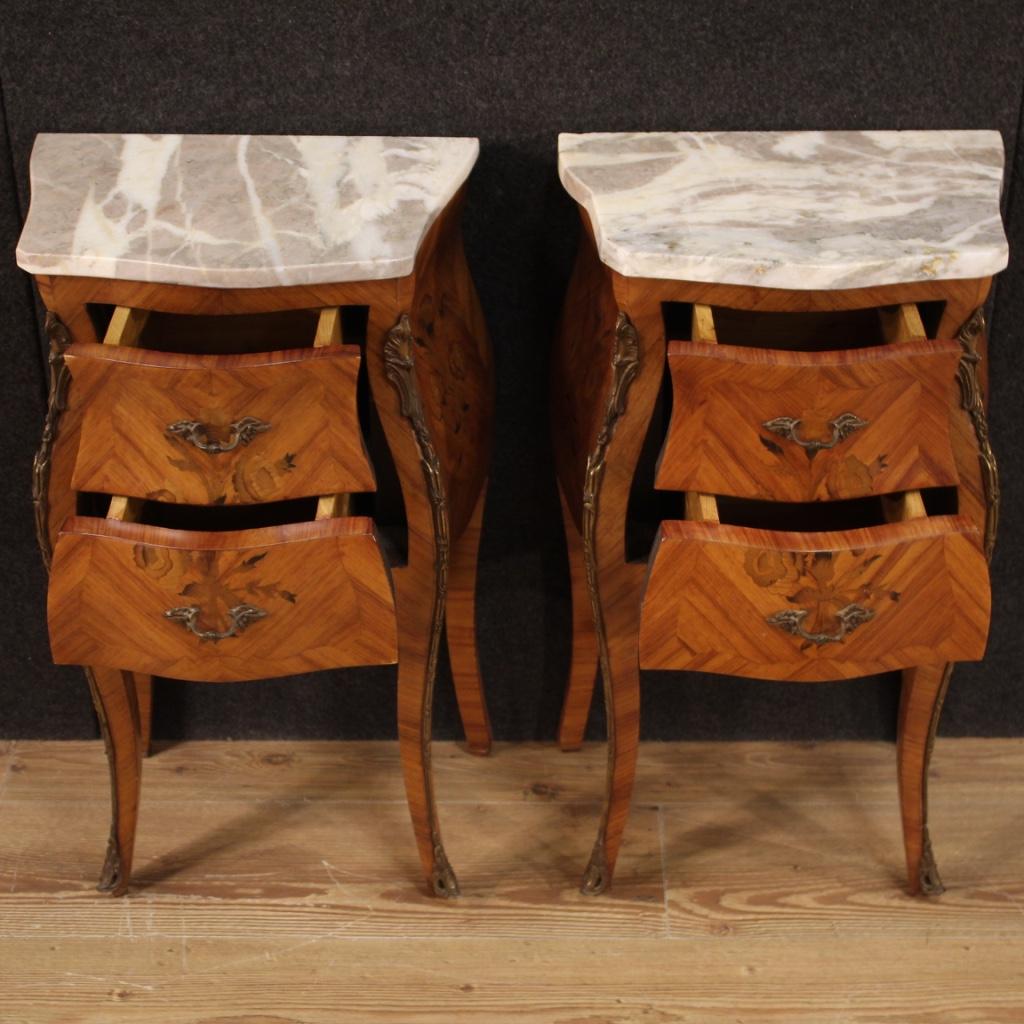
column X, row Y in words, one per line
column 236, row 211
column 797, row 210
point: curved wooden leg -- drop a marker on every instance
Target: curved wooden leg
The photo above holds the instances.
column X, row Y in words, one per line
column 461, row 629
column 421, row 590
column 614, row 587
column 924, row 689
column 114, row 696
column 144, row 695
column 622, row 703
column 415, row 705
column 579, row 692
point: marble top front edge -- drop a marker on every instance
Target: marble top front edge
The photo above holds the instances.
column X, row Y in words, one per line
column 796, row 210
column 236, row 211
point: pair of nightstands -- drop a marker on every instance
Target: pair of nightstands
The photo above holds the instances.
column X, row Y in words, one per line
column 233, row 318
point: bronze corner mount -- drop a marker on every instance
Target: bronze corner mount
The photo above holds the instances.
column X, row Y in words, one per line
column 625, row 365
column 59, row 340
column 972, row 400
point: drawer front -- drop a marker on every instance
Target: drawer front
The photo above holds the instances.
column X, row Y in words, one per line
column 204, row 430
column 809, row 426
column 815, row 606
column 220, row 606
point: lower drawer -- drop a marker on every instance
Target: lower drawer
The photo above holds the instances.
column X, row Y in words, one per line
column 220, row 607
column 814, row 606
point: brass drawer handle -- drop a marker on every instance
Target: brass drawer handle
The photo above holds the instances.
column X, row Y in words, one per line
column 792, row 621
column 242, row 432
column 241, row 615
column 842, row 427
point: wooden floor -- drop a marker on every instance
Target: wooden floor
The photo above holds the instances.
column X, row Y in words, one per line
column 277, row 883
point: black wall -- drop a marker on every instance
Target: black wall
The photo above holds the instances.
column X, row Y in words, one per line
column 514, row 74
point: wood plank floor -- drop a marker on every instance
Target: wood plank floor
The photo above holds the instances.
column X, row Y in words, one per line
column 276, row 883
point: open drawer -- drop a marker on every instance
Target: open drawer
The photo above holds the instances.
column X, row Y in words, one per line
column 814, row 606
column 248, row 604
column 218, row 429
column 809, row 426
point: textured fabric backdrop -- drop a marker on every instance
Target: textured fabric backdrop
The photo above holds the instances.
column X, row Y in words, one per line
column 514, row 74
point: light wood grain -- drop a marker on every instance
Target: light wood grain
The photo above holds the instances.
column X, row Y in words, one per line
column 289, row 868
column 770, row 867
column 778, row 904
column 327, row 979
column 328, row 328
column 125, row 327
column 667, row 773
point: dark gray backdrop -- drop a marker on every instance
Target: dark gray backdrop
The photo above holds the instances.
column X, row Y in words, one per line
column 514, row 74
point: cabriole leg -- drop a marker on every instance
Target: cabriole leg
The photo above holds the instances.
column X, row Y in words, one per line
column 924, row 689
column 114, row 696
column 622, row 703
column 421, row 590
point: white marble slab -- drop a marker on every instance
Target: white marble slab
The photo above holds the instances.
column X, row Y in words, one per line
column 236, row 211
column 798, row 210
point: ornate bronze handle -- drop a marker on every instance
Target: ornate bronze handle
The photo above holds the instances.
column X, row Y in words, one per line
column 792, row 621
column 842, row 427
column 242, row 432
column 241, row 615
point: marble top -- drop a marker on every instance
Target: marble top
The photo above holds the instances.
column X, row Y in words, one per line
column 797, row 210
column 236, row 211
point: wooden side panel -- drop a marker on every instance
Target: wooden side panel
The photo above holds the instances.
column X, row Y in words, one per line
column 302, row 404
column 581, row 370
column 749, row 422
column 921, row 589
column 321, row 593
column 454, row 364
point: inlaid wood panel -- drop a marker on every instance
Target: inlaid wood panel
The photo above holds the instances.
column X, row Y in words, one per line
column 203, row 429
column 221, row 606
column 814, row 606
column 809, row 426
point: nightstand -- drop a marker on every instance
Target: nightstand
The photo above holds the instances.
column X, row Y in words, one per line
column 795, row 320
column 251, row 338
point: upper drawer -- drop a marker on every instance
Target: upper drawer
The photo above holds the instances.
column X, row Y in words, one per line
column 815, row 606
column 202, row 429
column 220, row 606
column 809, row 426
